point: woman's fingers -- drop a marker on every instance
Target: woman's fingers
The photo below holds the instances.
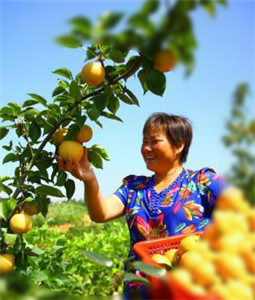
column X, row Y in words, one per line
column 61, row 163
column 77, row 170
column 69, row 166
column 84, row 159
column 84, row 156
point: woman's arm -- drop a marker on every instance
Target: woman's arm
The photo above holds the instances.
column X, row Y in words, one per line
column 100, row 209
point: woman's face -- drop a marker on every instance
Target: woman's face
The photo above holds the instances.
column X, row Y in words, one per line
column 158, row 153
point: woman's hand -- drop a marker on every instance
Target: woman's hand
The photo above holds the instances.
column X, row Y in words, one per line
column 81, row 170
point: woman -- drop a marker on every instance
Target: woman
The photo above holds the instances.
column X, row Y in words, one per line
column 174, row 200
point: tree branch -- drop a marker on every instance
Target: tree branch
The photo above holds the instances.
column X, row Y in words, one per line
column 70, row 109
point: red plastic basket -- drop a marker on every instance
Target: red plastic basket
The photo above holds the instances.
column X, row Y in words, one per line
column 146, row 249
column 170, row 289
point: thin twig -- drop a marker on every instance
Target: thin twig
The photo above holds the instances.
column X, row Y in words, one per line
column 100, row 57
column 25, row 134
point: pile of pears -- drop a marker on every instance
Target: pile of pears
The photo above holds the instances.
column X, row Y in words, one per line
column 222, row 259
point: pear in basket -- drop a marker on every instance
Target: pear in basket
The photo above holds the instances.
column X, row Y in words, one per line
column 161, row 260
column 187, row 243
column 173, row 256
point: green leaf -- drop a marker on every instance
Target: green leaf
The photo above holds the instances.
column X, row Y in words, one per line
column 58, row 249
column 30, row 102
column 148, row 269
column 130, row 277
column 101, row 150
column 132, row 96
column 43, row 204
column 147, row 63
column 116, row 56
column 142, row 76
column 74, row 91
column 150, row 6
column 49, row 191
column 78, row 78
column 61, row 179
column 82, row 26
column 7, row 207
column 81, row 120
column 222, row 2
column 95, row 158
column 54, row 110
column 16, row 110
column 142, row 21
column 39, row 98
column 109, row 19
column 97, row 258
column 5, row 189
column 70, row 188
column 100, row 102
column 10, row 239
column 69, row 41
column 30, row 113
column 64, row 99
column 72, row 132
column 3, row 132
column 93, row 113
column 125, row 99
column 64, row 72
column 111, row 73
column 38, row 276
column 35, row 251
column 6, row 113
column 8, row 148
column 29, row 199
column 137, row 20
column 55, row 170
column 113, row 104
column 4, row 178
column 110, row 116
column 34, row 131
column 156, row 82
column 209, row 6
column 58, row 90
column 91, row 53
column 5, row 110
column 10, row 157
column 99, row 124
column 63, row 83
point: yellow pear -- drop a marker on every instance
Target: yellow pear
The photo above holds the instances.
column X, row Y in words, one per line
column 188, row 243
column 7, row 262
column 173, row 256
column 20, row 223
column 161, row 259
column 71, row 150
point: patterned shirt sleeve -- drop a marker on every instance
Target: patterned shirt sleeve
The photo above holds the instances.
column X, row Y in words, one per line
column 210, row 186
column 123, row 191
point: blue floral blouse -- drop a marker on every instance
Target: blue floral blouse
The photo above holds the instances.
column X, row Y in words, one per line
column 184, row 207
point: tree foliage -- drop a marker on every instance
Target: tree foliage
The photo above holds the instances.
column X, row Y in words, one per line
column 240, row 138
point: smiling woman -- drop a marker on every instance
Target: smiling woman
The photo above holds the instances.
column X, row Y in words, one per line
column 174, row 200
column 166, row 145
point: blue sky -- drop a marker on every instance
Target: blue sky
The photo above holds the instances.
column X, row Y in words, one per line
column 225, row 57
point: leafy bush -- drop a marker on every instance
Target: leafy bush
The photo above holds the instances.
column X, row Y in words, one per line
column 62, row 213
column 59, row 264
